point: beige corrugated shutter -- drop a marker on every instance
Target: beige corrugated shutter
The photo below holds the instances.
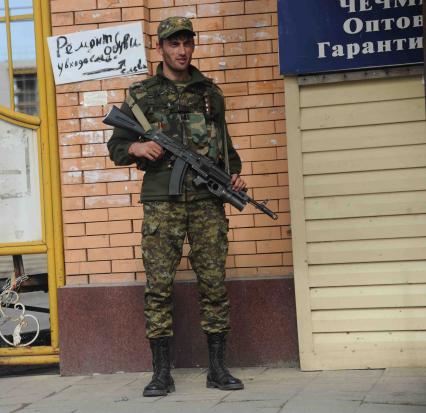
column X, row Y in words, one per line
column 357, row 164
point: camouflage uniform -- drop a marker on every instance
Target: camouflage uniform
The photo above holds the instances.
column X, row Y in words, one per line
column 194, row 114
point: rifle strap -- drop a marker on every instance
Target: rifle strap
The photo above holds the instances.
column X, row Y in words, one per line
column 225, row 149
column 139, row 115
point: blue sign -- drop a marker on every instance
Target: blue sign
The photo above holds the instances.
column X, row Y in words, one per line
column 333, row 35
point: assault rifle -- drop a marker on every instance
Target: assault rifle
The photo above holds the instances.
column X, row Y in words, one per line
column 206, row 171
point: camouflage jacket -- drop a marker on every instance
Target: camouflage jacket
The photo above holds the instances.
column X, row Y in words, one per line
column 194, row 114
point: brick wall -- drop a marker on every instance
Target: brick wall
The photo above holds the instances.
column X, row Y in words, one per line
column 237, row 46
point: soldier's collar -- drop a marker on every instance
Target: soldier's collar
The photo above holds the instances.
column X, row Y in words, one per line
column 196, row 75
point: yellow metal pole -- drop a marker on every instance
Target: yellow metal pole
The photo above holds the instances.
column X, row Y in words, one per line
column 27, row 351
column 55, row 231
column 54, row 150
column 47, row 359
column 48, row 158
column 10, row 55
column 23, row 249
column 20, row 119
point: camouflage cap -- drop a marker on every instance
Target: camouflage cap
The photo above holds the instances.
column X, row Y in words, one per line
column 172, row 25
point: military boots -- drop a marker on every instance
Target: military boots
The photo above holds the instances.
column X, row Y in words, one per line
column 161, row 382
column 218, row 375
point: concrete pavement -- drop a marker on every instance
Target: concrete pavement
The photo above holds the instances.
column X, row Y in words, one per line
column 267, row 390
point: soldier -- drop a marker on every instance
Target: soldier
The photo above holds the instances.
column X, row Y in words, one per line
column 189, row 107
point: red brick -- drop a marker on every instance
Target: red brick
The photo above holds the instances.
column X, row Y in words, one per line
column 134, row 13
column 67, row 99
column 220, row 9
column 270, row 167
column 69, row 125
column 222, row 63
column 258, row 260
column 72, row 112
column 72, row 151
column 94, row 150
column 107, row 175
column 262, row 220
column 283, row 179
column 282, row 152
column 63, row 30
column 247, row 234
column 247, row 247
column 262, row 141
column 262, row 34
column 251, row 128
column 288, row 259
column 279, row 99
column 114, row 227
column 234, row 89
column 105, row 4
column 88, row 124
column 85, row 216
column 255, row 101
column 273, row 113
column 125, row 213
column 62, row 19
column 128, row 187
column 73, row 230
column 241, row 221
column 260, row 60
column 237, row 116
column 71, row 177
column 223, row 36
column 111, row 278
column 260, row 6
column 273, row 246
column 66, row 5
column 75, row 255
column 208, row 23
column 208, row 51
column 280, row 126
column 96, row 241
column 87, row 267
column 82, row 164
column 98, row 16
column 127, row 265
column 254, row 181
column 107, row 201
column 122, row 82
column 247, row 48
column 241, row 142
column 274, row 192
column 81, row 138
column 152, row 4
column 124, row 240
column 86, row 86
column 160, row 14
column 266, row 86
column 116, row 253
column 77, row 280
column 72, row 203
column 253, row 20
column 84, row 190
column 263, row 154
column 263, row 73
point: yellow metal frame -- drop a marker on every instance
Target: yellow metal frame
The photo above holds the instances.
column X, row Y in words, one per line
column 50, row 192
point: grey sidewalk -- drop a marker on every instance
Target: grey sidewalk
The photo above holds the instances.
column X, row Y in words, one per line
column 267, row 390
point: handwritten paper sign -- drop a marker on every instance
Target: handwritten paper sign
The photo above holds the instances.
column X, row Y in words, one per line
column 96, row 54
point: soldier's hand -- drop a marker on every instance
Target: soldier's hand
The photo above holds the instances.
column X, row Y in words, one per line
column 149, row 150
column 237, row 182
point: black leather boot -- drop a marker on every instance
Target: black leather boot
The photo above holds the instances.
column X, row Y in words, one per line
column 161, row 382
column 218, row 376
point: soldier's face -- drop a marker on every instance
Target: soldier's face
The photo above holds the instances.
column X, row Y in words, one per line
column 177, row 52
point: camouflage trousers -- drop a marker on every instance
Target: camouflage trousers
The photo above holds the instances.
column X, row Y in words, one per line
column 163, row 233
